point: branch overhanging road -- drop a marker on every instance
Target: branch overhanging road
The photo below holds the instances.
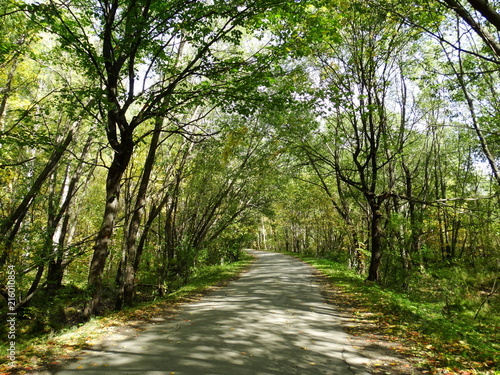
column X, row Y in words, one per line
column 272, row 320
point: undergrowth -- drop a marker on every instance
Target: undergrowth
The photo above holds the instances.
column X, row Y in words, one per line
column 442, row 330
column 38, row 351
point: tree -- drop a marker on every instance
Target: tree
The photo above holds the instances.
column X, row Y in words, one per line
column 366, row 139
column 132, row 51
column 478, row 18
column 483, row 19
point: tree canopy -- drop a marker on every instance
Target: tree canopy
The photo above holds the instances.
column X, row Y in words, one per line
column 141, row 141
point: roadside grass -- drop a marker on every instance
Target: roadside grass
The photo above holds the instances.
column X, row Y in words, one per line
column 447, row 342
column 35, row 353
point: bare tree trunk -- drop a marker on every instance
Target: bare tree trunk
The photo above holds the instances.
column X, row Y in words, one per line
column 127, row 281
column 6, row 90
column 415, row 231
column 120, row 163
column 57, row 259
column 487, row 11
column 376, row 237
column 479, row 132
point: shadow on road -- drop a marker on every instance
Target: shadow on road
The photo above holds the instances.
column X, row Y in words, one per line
column 273, row 320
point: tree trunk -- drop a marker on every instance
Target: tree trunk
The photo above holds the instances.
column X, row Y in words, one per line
column 127, row 281
column 55, row 273
column 7, row 89
column 113, row 181
column 11, row 225
column 415, row 230
column 376, row 248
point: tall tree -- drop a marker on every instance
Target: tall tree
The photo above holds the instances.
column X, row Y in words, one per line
column 361, row 74
column 130, row 50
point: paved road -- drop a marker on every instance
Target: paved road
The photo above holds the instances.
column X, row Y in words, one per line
column 273, row 320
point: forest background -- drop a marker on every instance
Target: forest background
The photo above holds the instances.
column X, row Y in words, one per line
column 143, row 141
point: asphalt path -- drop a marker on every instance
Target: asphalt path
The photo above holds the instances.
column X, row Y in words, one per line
column 272, row 320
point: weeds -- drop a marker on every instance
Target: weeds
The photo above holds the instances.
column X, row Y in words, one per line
column 38, row 351
column 436, row 318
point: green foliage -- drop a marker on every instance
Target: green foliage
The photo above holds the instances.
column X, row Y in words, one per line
column 418, row 318
column 64, row 338
column 284, row 125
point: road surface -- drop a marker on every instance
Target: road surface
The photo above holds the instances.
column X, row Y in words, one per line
column 272, row 320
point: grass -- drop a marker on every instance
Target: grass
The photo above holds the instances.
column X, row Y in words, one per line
column 446, row 339
column 35, row 353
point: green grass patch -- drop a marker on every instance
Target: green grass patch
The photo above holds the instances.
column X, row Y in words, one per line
column 427, row 324
column 34, row 352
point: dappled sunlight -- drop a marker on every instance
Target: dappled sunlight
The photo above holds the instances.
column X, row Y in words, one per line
column 273, row 320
